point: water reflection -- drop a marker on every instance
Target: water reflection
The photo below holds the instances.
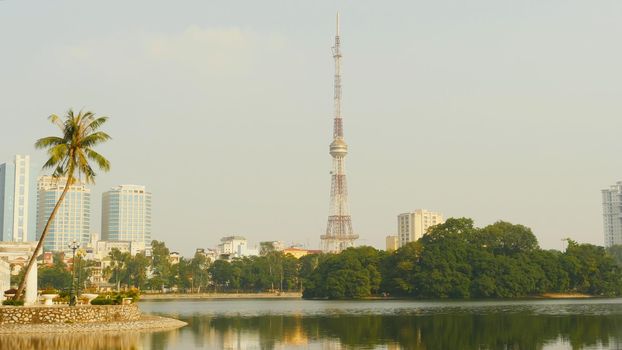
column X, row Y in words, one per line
column 101, row 341
column 371, row 325
column 445, row 331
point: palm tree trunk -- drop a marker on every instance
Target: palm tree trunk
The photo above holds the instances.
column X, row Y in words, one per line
column 33, row 258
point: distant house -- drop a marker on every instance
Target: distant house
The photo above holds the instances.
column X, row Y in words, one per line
column 174, row 257
column 299, row 252
column 235, row 247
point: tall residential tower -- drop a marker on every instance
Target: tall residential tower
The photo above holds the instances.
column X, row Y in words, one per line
column 126, row 215
column 73, row 219
column 612, row 214
column 339, row 234
column 18, row 181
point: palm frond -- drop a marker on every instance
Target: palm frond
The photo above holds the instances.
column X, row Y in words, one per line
column 84, row 167
column 94, row 139
column 96, row 123
column 56, row 121
column 58, row 154
column 102, row 162
column 48, row 142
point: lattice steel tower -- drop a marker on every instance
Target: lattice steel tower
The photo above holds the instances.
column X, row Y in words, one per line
column 339, row 234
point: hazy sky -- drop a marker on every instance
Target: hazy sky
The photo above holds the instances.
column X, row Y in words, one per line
column 494, row 110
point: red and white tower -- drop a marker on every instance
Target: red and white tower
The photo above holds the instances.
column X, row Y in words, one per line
column 339, row 234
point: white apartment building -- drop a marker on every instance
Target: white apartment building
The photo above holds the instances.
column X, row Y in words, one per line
column 72, row 222
column 612, row 214
column 412, row 226
column 232, row 245
column 235, row 247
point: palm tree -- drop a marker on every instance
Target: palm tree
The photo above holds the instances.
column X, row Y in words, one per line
column 69, row 157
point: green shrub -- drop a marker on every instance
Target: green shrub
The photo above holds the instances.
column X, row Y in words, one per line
column 103, row 301
column 132, row 293
column 62, row 298
column 116, row 298
column 12, row 302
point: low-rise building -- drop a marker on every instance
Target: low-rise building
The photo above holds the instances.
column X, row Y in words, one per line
column 299, row 252
column 5, row 277
column 17, row 254
column 48, row 258
column 210, row 254
column 173, row 258
column 235, row 247
column 270, row 246
column 232, row 245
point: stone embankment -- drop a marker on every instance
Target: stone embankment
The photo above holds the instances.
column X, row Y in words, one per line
column 65, row 314
column 144, row 323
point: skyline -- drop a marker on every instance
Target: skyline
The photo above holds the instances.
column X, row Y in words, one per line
column 505, row 114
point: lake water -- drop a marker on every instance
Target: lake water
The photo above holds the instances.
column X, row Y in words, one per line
column 381, row 324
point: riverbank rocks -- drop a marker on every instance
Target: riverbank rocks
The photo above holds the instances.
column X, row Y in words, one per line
column 68, row 314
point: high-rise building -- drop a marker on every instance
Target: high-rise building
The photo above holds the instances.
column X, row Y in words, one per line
column 612, row 214
column 339, row 233
column 73, row 219
column 412, row 226
column 391, row 243
column 18, row 180
column 126, row 215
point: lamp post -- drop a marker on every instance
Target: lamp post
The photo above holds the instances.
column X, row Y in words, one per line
column 73, row 246
column 79, row 284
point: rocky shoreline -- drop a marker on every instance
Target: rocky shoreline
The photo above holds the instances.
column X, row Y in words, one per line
column 145, row 323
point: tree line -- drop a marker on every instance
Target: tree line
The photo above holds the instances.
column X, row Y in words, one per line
column 273, row 271
column 458, row 260
column 453, row 260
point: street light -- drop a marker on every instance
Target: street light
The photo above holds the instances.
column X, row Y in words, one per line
column 73, row 246
column 79, row 284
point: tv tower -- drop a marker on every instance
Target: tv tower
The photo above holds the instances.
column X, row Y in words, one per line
column 339, row 234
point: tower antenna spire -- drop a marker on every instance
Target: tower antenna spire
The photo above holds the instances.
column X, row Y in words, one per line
column 339, row 234
column 337, row 24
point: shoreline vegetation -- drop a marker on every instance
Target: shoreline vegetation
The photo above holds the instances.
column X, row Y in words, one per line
column 453, row 260
column 298, row 295
column 259, row 295
column 456, row 260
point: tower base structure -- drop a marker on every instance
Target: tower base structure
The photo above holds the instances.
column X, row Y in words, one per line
column 333, row 244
